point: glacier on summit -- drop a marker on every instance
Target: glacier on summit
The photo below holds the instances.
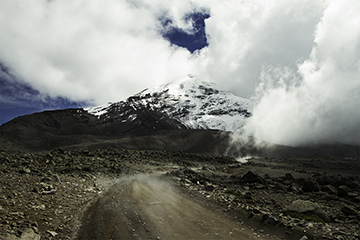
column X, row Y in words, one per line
column 194, row 103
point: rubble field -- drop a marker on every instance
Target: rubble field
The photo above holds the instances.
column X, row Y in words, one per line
column 134, row 194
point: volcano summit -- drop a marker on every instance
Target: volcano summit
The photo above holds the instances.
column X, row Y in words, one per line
column 192, row 102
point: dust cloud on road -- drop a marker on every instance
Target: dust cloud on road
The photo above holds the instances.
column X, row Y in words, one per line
column 147, row 207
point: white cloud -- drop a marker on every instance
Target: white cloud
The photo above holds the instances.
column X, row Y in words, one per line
column 299, row 59
column 245, row 37
column 87, row 46
column 324, row 105
column 87, row 50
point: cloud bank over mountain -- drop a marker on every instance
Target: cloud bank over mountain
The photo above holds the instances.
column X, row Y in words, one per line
column 319, row 102
column 298, row 60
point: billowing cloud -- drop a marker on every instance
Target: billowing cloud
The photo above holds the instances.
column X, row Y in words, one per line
column 104, row 51
column 243, row 38
column 320, row 102
column 87, row 50
column 299, row 60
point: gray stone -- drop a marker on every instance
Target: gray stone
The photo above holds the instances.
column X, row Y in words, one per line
column 307, row 207
column 302, row 206
column 25, row 170
column 52, row 191
column 27, row 234
column 52, row 233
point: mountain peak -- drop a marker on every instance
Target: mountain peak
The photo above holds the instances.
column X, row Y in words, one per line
column 181, row 86
column 193, row 102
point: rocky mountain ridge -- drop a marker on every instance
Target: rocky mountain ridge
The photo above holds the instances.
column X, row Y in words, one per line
column 194, row 103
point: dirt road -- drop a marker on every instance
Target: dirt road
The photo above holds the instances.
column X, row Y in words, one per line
column 144, row 207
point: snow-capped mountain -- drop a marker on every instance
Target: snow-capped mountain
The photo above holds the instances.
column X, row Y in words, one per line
column 193, row 103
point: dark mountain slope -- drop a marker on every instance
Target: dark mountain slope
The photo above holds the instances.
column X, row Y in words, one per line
column 185, row 140
column 150, row 130
column 53, row 129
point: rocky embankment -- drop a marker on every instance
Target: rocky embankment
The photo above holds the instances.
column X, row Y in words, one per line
column 45, row 195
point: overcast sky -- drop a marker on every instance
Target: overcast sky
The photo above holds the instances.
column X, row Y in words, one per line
column 299, row 60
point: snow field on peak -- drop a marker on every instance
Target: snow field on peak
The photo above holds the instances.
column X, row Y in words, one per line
column 98, row 110
column 194, row 103
column 206, row 107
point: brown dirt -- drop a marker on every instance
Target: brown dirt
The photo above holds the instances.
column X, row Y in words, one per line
column 145, row 207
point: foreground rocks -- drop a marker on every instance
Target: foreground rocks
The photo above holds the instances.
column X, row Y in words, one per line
column 44, row 195
column 280, row 198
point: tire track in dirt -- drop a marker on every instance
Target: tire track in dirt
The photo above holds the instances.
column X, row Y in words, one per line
column 146, row 207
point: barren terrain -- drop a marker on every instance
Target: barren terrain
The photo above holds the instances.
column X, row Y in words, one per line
column 132, row 194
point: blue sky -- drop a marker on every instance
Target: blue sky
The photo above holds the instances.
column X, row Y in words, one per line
column 299, row 61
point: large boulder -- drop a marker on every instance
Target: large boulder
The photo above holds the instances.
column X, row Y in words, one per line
column 303, row 208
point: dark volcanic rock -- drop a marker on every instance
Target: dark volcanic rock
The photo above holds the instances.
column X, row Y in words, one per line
column 310, row 186
column 350, row 212
column 329, row 189
column 270, row 219
column 281, row 187
column 209, row 187
column 289, row 176
column 251, row 177
column 343, row 191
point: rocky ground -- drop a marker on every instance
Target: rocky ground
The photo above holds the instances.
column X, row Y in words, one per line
column 50, row 195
